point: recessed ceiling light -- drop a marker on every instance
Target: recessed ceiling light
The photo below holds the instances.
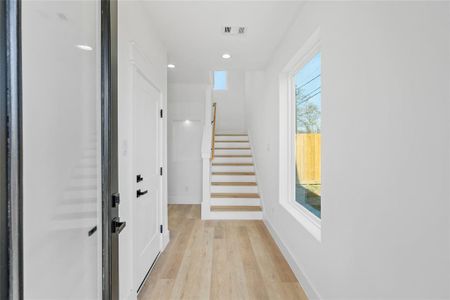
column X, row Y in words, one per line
column 84, row 47
column 171, row 66
column 226, row 55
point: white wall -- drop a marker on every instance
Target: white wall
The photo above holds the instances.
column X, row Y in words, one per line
column 186, row 105
column 231, row 103
column 385, row 150
column 134, row 26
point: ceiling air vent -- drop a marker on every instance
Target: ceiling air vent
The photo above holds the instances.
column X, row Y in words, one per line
column 234, row 30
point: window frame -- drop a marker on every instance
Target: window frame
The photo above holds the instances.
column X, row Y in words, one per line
column 287, row 133
column 226, row 81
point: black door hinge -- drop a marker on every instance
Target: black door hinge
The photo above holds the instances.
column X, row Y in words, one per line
column 161, row 113
column 160, row 171
column 161, row 228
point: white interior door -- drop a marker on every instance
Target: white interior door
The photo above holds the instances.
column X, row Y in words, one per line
column 146, row 205
column 61, row 150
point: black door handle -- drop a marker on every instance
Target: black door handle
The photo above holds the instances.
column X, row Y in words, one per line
column 140, row 193
column 117, row 226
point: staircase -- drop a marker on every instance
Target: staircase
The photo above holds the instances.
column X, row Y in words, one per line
column 233, row 188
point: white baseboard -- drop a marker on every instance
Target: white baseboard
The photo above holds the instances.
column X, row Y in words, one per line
column 184, row 199
column 301, row 277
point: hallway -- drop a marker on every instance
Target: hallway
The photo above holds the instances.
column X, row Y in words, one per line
column 219, row 260
column 224, row 150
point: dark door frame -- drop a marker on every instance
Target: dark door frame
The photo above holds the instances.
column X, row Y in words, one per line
column 4, row 244
column 14, row 144
column 11, row 189
column 110, row 175
column 4, row 232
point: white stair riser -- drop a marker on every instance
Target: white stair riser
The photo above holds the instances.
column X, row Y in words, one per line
column 232, row 160
column 231, row 145
column 232, row 152
column 232, row 138
column 233, row 178
column 236, row 201
column 235, row 215
column 233, row 189
column 232, row 168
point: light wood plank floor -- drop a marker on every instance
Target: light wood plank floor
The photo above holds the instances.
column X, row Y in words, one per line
column 219, row 260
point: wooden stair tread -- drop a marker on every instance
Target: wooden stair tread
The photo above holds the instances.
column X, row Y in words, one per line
column 232, row 164
column 233, row 173
column 234, row 195
column 231, row 141
column 222, row 148
column 235, row 208
column 233, row 155
column 234, row 183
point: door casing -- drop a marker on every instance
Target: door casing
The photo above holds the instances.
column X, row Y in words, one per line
column 140, row 64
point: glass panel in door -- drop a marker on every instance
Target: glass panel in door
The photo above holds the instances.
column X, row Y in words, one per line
column 61, row 149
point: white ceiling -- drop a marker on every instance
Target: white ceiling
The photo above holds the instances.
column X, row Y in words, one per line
column 192, row 34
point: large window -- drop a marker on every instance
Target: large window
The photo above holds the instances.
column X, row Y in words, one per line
column 307, row 135
column 300, row 93
column 220, row 80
